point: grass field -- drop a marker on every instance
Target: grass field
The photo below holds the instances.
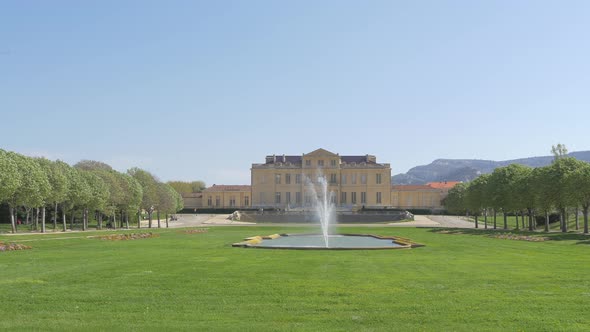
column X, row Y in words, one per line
column 178, row 281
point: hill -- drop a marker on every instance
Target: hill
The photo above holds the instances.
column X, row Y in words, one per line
column 468, row 169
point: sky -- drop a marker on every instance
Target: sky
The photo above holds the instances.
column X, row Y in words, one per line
column 201, row 90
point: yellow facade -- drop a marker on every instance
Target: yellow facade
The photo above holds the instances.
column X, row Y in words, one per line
column 224, row 196
column 354, row 180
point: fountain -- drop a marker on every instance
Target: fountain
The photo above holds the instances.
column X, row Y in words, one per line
column 325, row 210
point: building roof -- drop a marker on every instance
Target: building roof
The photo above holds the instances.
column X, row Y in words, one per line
column 412, row 187
column 443, row 185
column 223, row 187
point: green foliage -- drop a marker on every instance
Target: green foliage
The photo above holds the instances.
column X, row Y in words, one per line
column 183, row 187
column 455, row 200
column 10, row 177
column 35, row 187
column 148, row 185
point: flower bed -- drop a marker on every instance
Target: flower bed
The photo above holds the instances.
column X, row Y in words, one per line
column 12, row 246
column 195, row 231
column 132, row 236
column 508, row 236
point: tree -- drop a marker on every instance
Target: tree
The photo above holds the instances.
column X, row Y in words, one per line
column 92, row 165
column 149, row 189
column 476, row 196
column 455, row 200
column 504, row 192
column 79, row 195
column 34, row 185
column 559, row 151
column 10, row 180
column 57, row 176
column 578, row 183
column 133, row 195
column 99, row 195
column 556, row 188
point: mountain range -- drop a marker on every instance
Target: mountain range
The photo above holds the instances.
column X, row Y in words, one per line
column 468, row 169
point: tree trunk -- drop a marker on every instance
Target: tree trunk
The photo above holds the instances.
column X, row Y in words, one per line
column 546, row 221
column 577, row 219
column 27, row 216
column 127, row 219
column 531, row 227
column 99, row 220
column 55, row 218
column 12, row 221
column 476, row 221
column 150, row 219
column 585, row 212
column 495, row 214
column 485, row 218
column 139, row 219
column 43, row 220
column 522, row 219
column 166, row 219
column 121, row 219
column 36, row 219
column 72, row 221
column 517, row 224
column 505, row 220
column 564, row 229
column 63, row 215
column 85, row 219
column 115, row 220
column 158, row 215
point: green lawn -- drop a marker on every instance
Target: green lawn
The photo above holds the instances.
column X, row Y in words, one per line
column 196, row 282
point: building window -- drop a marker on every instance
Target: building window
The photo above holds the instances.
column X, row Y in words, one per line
column 217, row 201
column 298, row 178
column 378, row 198
column 343, row 198
column 363, row 178
column 333, row 178
column 209, row 201
column 298, row 198
column 353, row 178
column 353, row 197
column 288, row 197
column 333, row 163
column 363, row 197
column 307, row 162
column 262, row 179
column 378, row 178
column 277, row 198
column 343, row 178
column 278, row 178
column 287, row 178
column 320, row 163
column 333, row 199
column 232, row 201
column 246, row 201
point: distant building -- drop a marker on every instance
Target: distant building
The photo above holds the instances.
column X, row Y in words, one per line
column 428, row 196
column 227, row 196
column 356, row 181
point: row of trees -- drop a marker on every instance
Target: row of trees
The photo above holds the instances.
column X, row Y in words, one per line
column 89, row 189
column 515, row 189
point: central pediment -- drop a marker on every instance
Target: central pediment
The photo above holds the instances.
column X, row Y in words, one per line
column 321, row 153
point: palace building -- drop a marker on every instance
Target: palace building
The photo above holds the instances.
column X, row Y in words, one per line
column 355, row 180
column 283, row 182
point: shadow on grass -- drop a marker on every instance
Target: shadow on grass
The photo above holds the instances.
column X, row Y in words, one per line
column 537, row 236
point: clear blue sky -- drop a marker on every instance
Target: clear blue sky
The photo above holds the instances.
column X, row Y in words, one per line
column 202, row 89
